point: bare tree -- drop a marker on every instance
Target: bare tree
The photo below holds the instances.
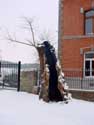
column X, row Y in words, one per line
column 29, row 42
column 32, row 41
column 28, row 26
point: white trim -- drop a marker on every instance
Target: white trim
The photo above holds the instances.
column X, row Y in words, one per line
column 90, row 65
column 69, row 37
column 85, row 90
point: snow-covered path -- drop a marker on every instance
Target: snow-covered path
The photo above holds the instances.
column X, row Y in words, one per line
column 20, row 108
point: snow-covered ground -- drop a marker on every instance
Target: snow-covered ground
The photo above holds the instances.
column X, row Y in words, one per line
column 20, row 108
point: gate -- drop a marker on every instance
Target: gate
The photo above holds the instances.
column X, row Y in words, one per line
column 10, row 75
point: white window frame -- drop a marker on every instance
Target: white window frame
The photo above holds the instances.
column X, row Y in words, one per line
column 88, row 59
column 89, row 17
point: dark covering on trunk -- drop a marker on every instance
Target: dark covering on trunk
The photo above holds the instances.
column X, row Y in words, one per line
column 53, row 91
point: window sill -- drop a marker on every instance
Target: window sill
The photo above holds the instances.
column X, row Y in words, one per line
column 78, row 36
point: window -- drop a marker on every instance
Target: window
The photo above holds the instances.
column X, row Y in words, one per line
column 89, row 64
column 89, row 22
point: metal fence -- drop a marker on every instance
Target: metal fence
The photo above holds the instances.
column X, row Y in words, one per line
column 10, row 74
column 76, row 80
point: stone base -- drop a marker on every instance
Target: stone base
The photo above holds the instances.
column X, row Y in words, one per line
column 87, row 95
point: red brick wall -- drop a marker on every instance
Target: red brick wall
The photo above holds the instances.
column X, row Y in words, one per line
column 71, row 23
column 73, row 19
column 71, row 52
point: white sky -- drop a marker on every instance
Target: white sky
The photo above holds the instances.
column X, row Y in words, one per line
column 45, row 14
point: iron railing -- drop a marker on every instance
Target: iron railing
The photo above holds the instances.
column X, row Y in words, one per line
column 10, row 74
column 77, row 79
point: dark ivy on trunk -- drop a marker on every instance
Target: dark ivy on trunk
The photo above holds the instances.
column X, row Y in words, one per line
column 50, row 57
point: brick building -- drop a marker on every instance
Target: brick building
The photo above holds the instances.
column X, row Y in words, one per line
column 76, row 35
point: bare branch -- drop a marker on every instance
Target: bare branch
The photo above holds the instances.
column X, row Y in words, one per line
column 9, row 37
column 46, row 35
column 13, row 40
column 29, row 41
column 29, row 23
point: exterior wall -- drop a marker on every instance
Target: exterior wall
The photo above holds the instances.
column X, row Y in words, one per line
column 72, row 56
column 60, row 30
column 71, row 33
column 73, row 19
column 85, row 95
column 28, row 81
column 72, row 42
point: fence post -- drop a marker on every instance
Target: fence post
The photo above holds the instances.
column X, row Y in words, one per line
column 0, row 68
column 82, row 79
column 19, row 71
